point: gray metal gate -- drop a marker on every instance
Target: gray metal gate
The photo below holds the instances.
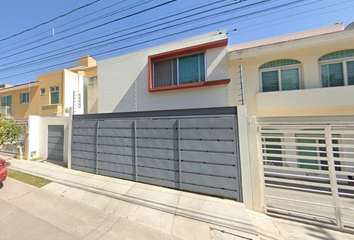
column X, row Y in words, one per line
column 55, row 142
column 193, row 150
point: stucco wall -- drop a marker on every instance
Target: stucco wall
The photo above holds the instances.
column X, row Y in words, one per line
column 74, row 83
column 123, row 80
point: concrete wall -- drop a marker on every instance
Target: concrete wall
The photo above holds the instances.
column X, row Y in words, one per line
column 311, row 99
column 92, row 95
column 124, row 81
column 38, row 135
column 74, row 83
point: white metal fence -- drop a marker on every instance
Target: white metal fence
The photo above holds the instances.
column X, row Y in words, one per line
column 309, row 171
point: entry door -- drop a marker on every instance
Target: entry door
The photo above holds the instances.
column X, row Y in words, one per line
column 55, row 142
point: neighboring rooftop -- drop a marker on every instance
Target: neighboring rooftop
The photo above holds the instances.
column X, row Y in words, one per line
column 338, row 27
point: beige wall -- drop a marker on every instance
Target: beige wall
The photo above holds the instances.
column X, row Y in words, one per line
column 20, row 110
column 49, row 80
column 320, row 102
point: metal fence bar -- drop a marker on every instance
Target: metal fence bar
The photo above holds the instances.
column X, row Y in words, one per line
column 179, row 153
column 96, row 153
column 332, row 176
column 136, row 151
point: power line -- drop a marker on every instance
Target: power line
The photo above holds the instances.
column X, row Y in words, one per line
column 130, row 28
column 79, row 25
column 53, row 19
column 89, row 29
column 161, row 37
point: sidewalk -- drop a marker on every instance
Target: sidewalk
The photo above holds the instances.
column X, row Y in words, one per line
column 180, row 214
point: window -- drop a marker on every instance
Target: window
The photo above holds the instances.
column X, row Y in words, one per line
column 280, row 75
column 6, row 101
column 179, row 70
column 42, row 91
column 54, row 95
column 337, row 68
column 6, row 105
column 25, row 97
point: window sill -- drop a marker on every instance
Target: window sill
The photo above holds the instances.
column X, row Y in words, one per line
column 191, row 85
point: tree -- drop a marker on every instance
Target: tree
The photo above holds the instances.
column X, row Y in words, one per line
column 10, row 132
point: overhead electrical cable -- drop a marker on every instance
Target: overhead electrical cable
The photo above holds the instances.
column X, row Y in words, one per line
column 49, row 21
column 89, row 29
column 168, row 35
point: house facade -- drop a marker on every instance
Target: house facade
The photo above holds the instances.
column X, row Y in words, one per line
column 190, row 73
column 307, row 75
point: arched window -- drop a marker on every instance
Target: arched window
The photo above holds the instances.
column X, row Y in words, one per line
column 280, row 75
column 337, row 68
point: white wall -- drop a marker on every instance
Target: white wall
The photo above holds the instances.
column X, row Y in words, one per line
column 74, row 83
column 38, row 135
column 123, row 80
column 33, row 136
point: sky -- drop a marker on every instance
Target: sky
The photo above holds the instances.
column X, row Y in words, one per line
column 40, row 36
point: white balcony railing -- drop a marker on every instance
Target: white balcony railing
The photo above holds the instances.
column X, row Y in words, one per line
column 6, row 111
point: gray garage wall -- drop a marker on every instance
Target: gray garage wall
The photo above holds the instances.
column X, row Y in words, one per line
column 194, row 150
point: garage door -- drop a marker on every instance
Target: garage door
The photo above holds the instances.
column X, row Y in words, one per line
column 187, row 152
column 55, row 142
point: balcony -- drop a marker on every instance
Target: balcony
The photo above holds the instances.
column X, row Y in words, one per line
column 6, row 111
column 52, row 110
column 332, row 97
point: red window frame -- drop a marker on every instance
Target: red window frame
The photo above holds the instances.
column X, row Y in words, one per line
column 180, row 52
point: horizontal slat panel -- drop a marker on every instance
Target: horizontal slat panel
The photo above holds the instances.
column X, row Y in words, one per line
column 319, row 132
column 116, row 158
column 84, row 162
column 55, row 152
column 168, row 123
column 84, row 139
column 116, row 141
column 84, row 154
column 158, row 182
column 55, row 134
column 116, row 133
column 84, row 132
column 292, row 169
column 158, row 173
column 211, row 191
column 157, row 133
column 293, row 144
column 55, row 128
column 86, row 124
column 216, row 146
column 207, row 134
column 55, row 157
column 157, row 163
column 116, row 175
column 126, row 169
column 84, row 147
column 217, row 158
column 158, row 153
column 216, row 170
column 56, row 146
column 294, row 156
column 55, row 140
column 210, row 181
column 305, row 183
column 158, row 143
column 116, row 150
column 208, row 123
column 116, row 124
column 84, row 169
